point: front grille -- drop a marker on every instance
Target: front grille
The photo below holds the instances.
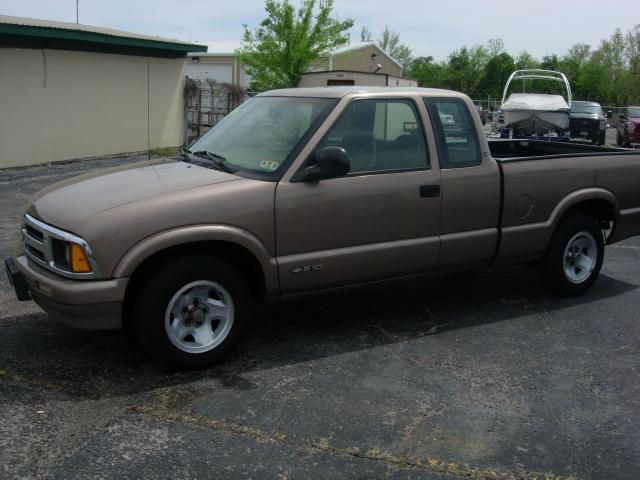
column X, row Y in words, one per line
column 584, row 125
column 45, row 245
column 33, row 233
column 35, row 253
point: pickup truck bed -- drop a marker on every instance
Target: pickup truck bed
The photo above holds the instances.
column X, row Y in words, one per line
column 522, row 149
column 556, row 174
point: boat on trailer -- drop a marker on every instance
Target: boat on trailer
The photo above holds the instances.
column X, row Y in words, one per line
column 536, row 115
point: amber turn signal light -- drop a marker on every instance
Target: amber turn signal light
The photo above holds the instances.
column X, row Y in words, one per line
column 78, row 259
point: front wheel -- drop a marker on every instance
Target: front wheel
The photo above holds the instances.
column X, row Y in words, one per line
column 191, row 311
column 574, row 258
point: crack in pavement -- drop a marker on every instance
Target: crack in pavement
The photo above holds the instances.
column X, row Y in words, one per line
column 163, row 408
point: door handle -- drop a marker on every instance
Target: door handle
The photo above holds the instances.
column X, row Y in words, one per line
column 429, row 191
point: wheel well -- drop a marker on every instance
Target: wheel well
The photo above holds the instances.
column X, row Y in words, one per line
column 241, row 258
column 600, row 210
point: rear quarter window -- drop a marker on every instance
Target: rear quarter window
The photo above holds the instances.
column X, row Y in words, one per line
column 456, row 134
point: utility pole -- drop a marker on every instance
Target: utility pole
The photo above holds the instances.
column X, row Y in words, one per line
column 77, row 11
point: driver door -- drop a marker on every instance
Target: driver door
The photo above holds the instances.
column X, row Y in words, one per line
column 381, row 220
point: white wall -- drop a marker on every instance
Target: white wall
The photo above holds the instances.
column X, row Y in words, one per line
column 220, row 72
column 84, row 104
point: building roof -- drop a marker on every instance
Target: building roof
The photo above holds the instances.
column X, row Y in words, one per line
column 354, row 47
column 211, row 54
column 35, row 33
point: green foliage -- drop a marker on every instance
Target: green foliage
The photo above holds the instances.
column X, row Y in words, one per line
column 283, row 47
column 609, row 74
column 495, row 74
column 389, row 41
column 526, row 61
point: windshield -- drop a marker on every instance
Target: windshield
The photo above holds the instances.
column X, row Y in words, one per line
column 634, row 112
column 585, row 108
column 261, row 135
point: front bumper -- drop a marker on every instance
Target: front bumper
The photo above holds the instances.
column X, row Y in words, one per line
column 84, row 304
column 16, row 280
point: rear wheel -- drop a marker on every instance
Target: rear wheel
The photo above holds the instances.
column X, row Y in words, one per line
column 574, row 258
column 191, row 311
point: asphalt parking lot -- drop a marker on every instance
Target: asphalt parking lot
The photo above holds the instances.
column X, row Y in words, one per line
column 476, row 376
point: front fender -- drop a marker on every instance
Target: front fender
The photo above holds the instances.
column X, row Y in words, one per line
column 200, row 233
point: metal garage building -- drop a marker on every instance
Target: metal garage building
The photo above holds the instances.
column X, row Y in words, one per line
column 72, row 91
column 220, row 67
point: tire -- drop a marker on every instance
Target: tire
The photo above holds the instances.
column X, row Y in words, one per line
column 568, row 268
column 191, row 312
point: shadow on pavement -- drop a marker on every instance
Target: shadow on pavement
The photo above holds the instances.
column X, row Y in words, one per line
column 35, row 350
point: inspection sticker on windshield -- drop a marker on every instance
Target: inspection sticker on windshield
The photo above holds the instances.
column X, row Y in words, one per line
column 269, row 164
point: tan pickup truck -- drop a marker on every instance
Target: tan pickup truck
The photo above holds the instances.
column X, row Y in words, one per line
column 306, row 190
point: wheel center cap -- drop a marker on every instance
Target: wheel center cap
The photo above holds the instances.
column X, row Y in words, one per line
column 194, row 314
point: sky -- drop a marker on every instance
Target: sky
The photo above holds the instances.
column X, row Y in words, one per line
column 429, row 27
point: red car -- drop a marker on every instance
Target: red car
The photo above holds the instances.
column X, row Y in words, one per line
column 629, row 127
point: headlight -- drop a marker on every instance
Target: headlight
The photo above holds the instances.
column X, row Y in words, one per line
column 57, row 250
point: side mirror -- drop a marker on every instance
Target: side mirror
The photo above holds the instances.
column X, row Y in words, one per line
column 331, row 162
column 609, row 114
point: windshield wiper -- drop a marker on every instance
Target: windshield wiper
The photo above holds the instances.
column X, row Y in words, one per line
column 218, row 160
column 214, row 160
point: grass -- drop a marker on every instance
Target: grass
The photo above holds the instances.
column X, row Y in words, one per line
column 164, row 151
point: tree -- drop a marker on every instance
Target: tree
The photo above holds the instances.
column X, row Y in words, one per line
column 427, row 73
column 282, row 48
column 572, row 65
column 389, row 41
column 495, row 46
column 365, row 35
column 465, row 68
column 495, row 75
column 632, row 53
column 526, row 61
column 550, row 62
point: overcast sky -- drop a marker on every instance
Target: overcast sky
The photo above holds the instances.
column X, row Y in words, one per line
column 429, row 27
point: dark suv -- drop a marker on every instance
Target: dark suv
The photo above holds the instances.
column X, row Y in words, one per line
column 588, row 122
column 629, row 127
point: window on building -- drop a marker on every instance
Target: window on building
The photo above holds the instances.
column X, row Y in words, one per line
column 339, row 82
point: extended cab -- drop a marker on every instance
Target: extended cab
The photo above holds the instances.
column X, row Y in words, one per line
column 305, row 190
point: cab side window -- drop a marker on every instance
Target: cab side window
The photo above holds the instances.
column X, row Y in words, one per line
column 380, row 135
column 456, row 133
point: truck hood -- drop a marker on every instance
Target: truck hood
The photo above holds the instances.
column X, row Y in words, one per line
column 65, row 204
